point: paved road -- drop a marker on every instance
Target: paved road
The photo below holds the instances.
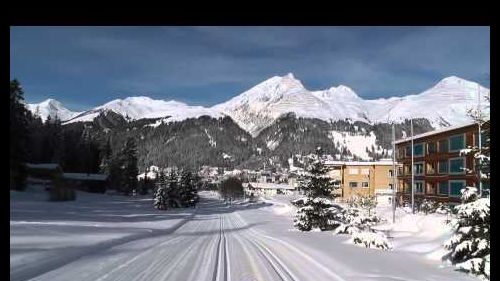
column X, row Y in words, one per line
column 223, row 243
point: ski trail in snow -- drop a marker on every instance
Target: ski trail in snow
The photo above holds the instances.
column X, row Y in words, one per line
column 222, row 268
column 293, row 248
column 140, row 255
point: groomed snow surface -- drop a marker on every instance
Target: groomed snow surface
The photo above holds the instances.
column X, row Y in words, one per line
column 113, row 237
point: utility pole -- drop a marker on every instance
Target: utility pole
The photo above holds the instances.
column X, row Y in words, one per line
column 479, row 139
column 393, row 175
column 412, row 171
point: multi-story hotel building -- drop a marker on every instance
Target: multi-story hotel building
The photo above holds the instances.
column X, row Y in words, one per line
column 439, row 167
column 361, row 179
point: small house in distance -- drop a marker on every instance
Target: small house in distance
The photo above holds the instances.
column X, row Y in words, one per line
column 87, row 182
column 43, row 173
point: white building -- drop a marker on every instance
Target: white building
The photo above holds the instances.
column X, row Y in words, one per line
column 267, row 189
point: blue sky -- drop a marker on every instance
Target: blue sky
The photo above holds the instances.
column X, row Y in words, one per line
column 87, row 66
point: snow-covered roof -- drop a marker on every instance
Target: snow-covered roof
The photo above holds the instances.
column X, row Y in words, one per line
column 46, row 166
column 270, row 185
column 435, row 132
column 84, row 176
column 150, row 175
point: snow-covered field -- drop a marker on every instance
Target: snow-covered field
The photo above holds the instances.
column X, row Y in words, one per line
column 104, row 237
column 45, row 235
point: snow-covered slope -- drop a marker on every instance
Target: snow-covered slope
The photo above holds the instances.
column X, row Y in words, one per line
column 52, row 108
column 145, row 107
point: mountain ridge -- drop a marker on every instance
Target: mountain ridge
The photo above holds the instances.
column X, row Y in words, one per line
column 257, row 108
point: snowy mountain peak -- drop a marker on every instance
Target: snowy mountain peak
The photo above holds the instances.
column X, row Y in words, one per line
column 268, row 91
column 51, row 101
column 452, row 80
column 341, row 91
column 334, row 94
column 52, row 108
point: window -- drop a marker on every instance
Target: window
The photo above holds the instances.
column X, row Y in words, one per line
column 400, row 170
column 418, row 149
column 407, row 169
column 419, row 187
column 443, row 146
column 365, row 171
column 443, row 167
column 390, row 186
column 431, row 168
column 483, row 139
column 457, row 142
column 353, row 184
column 408, row 151
column 457, row 165
column 353, row 171
column 486, row 186
column 401, row 153
column 390, row 174
column 365, row 184
column 430, row 188
column 407, row 186
column 431, row 148
column 443, row 188
column 419, row 168
column 456, row 187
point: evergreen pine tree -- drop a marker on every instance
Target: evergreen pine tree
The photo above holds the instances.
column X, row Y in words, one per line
column 58, row 141
column 188, row 188
column 469, row 247
column 105, row 156
column 19, row 136
column 161, row 193
column 314, row 211
column 116, row 176
column 173, row 190
column 130, row 170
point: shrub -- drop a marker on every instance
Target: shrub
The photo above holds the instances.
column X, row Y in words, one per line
column 376, row 240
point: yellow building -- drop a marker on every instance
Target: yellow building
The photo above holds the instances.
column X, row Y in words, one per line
column 361, row 179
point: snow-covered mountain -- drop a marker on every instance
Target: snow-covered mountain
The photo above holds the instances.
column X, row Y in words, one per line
column 52, row 108
column 444, row 104
column 144, row 107
column 259, row 107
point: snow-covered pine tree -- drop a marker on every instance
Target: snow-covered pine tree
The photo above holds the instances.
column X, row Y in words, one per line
column 469, row 247
column 173, row 190
column 187, row 188
column 161, row 195
column 357, row 216
column 315, row 211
